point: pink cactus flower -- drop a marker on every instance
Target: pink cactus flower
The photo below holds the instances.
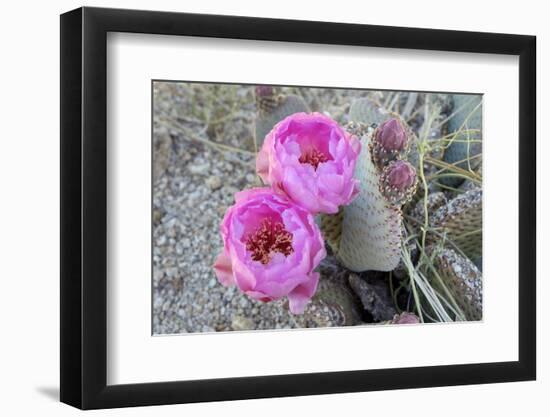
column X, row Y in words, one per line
column 311, row 159
column 271, row 248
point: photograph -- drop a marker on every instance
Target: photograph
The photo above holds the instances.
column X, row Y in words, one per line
column 291, row 207
column 251, row 209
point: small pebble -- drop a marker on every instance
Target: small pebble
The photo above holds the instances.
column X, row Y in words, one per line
column 240, row 323
column 201, row 169
column 214, row 182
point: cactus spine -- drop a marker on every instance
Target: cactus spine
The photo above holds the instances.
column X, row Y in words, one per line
column 461, row 221
column 462, row 279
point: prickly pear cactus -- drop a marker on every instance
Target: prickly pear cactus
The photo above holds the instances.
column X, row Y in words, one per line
column 273, row 107
column 366, row 234
column 461, row 149
column 334, row 303
column 331, row 225
column 333, row 306
column 462, row 279
column 371, row 226
column 461, row 220
column 364, row 110
column 435, row 201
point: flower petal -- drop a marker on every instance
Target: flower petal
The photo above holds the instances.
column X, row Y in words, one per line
column 311, row 158
column 224, row 270
column 300, row 296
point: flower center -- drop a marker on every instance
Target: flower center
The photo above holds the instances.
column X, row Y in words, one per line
column 269, row 238
column 313, row 157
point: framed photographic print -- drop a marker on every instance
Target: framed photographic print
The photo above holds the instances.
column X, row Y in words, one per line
column 257, row 207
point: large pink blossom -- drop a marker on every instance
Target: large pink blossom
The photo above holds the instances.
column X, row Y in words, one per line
column 271, row 247
column 311, row 159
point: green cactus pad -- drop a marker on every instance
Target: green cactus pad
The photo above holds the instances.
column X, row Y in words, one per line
column 334, row 303
column 435, row 201
column 463, row 280
column 371, row 227
column 460, row 149
column 331, row 225
column 269, row 116
column 461, row 220
column 366, row 111
column 366, row 234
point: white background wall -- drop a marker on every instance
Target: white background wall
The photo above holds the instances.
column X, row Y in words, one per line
column 29, row 237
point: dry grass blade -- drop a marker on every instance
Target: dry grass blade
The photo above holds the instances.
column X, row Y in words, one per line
column 190, row 135
column 472, row 176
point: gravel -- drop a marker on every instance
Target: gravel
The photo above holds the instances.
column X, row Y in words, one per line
column 193, row 185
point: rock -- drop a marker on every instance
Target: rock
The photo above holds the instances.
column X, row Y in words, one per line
column 199, row 169
column 374, row 296
column 157, row 216
column 240, row 323
column 214, row 182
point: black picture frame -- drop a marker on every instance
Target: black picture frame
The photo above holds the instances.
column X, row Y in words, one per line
column 84, row 207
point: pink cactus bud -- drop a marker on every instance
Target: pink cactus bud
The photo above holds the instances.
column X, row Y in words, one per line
column 405, row 318
column 264, row 90
column 398, row 182
column 391, row 135
column 401, row 175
